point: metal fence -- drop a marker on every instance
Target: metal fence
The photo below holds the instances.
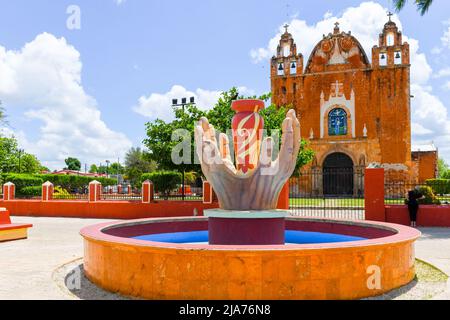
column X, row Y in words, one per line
column 434, row 192
column 336, row 193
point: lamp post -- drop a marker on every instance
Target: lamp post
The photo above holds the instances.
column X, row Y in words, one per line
column 107, row 167
column 20, row 157
column 183, row 104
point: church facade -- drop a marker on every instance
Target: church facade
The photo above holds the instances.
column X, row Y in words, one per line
column 354, row 112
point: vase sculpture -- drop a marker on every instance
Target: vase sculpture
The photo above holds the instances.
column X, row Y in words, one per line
column 248, row 191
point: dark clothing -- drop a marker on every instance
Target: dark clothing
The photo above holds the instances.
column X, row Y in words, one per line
column 413, row 209
column 413, row 204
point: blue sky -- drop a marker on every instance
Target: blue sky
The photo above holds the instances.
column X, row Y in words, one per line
column 88, row 93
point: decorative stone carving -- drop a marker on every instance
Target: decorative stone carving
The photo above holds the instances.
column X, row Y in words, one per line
column 260, row 186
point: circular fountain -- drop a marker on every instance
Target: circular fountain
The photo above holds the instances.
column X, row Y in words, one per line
column 247, row 249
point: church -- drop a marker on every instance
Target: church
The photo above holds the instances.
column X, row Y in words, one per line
column 354, row 113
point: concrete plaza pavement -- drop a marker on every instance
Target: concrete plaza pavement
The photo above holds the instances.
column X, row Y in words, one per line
column 27, row 266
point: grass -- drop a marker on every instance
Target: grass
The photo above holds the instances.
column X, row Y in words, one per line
column 337, row 202
column 426, row 272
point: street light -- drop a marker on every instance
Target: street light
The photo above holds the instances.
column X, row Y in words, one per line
column 107, row 167
column 183, row 104
column 20, row 156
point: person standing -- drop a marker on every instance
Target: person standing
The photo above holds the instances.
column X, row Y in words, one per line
column 413, row 206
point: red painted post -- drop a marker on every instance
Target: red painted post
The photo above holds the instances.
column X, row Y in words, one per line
column 119, row 189
column 4, row 216
column 95, row 191
column 47, row 191
column 148, row 192
column 130, row 190
column 208, row 193
column 374, row 194
column 9, row 191
column 283, row 199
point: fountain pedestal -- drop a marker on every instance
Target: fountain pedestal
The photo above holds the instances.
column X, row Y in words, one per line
column 227, row 227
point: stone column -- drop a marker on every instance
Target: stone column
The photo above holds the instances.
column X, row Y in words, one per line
column 283, row 200
column 95, row 191
column 374, row 194
column 47, row 191
column 9, row 191
column 148, row 192
column 208, row 193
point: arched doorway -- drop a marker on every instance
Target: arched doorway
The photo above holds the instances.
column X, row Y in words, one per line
column 338, row 175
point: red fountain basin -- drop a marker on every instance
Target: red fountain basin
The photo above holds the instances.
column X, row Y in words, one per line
column 152, row 270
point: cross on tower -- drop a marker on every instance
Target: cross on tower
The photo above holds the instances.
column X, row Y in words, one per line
column 336, row 28
column 390, row 14
column 286, row 26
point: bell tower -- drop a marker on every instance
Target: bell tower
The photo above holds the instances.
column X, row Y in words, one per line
column 390, row 52
column 286, row 71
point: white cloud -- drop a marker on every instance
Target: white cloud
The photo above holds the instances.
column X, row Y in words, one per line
column 420, row 130
column 446, row 38
column 43, row 80
column 158, row 105
column 446, row 86
column 429, row 115
column 120, row 2
column 443, row 73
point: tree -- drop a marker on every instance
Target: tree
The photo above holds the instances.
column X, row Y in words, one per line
column 8, row 154
column 422, row 5
column 2, row 114
column 73, row 164
column 159, row 133
column 443, row 169
column 30, row 164
column 136, row 164
column 14, row 160
column 93, row 169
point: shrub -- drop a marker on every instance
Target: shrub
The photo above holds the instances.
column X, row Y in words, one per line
column 164, row 181
column 73, row 182
column 428, row 196
column 30, row 191
column 60, row 193
column 439, row 186
column 23, row 180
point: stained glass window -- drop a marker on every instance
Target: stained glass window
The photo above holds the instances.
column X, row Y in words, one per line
column 337, row 122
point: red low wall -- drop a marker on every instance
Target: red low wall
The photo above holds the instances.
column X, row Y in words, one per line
column 104, row 209
column 428, row 216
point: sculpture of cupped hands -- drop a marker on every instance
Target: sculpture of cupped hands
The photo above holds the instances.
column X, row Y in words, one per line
column 259, row 188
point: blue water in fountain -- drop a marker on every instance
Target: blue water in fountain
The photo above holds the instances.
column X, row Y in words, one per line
column 292, row 237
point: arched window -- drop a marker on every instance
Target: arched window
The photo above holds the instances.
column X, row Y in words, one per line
column 337, row 122
column 390, row 39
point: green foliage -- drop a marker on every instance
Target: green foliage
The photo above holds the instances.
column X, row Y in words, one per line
column 439, row 186
column 61, row 193
column 73, row 164
column 190, row 177
column 69, row 182
column 164, row 181
column 137, row 163
column 8, row 154
column 93, row 169
column 22, row 181
column 428, row 196
column 75, row 183
column 112, row 169
column 159, row 133
column 30, row 164
column 422, row 5
column 30, row 191
column 443, row 169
